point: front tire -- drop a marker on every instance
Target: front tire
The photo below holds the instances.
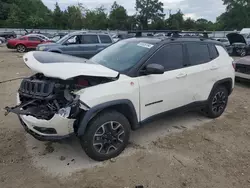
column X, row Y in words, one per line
column 107, row 136
column 21, row 48
column 217, row 102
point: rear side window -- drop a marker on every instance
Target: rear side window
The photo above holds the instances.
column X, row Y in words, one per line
column 34, row 39
column 22, row 38
column 105, row 39
column 198, row 53
column 90, row 39
column 213, row 51
column 169, row 56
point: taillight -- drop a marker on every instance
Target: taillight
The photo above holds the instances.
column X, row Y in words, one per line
column 234, row 64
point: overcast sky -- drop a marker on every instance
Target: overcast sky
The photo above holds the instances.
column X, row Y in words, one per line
column 208, row 9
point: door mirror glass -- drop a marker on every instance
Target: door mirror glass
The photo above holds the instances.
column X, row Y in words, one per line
column 154, row 69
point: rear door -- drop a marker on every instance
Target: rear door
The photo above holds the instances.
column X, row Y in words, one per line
column 33, row 42
column 201, row 67
column 89, row 45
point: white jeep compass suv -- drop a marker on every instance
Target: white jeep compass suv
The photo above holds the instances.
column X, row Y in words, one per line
column 127, row 84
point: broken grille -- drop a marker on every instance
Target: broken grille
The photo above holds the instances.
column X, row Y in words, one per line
column 37, row 88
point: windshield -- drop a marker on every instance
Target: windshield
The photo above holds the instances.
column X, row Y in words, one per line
column 122, row 55
column 63, row 39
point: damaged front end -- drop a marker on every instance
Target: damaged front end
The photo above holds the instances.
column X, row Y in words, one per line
column 43, row 97
column 48, row 108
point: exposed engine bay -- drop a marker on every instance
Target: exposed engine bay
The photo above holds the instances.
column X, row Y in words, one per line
column 42, row 97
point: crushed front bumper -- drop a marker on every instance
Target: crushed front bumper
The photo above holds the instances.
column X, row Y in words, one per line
column 52, row 130
column 57, row 128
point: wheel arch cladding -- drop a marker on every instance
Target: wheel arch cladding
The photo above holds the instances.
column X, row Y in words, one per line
column 227, row 83
column 124, row 106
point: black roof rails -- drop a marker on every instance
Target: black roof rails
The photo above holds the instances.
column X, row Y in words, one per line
column 174, row 33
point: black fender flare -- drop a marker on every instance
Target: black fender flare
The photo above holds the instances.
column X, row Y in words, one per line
column 220, row 82
column 83, row 123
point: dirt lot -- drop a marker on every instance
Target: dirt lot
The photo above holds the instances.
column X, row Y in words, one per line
column 185, row 150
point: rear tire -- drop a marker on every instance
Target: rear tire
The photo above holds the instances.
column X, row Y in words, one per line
column 21, row 48
column 107, row 136
column 217, row 102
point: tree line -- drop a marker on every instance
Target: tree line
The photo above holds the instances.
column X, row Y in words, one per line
column 149, row 15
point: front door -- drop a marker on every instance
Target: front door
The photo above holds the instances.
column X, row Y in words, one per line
column 160, row 93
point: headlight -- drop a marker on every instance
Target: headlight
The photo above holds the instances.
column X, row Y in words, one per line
column 42, row 48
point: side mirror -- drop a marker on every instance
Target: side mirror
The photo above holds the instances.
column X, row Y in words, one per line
column 154, row 69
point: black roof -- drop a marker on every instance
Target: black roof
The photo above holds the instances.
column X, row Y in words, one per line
column 156, row 40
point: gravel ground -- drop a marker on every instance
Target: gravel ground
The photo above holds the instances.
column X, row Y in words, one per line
column 182, row 150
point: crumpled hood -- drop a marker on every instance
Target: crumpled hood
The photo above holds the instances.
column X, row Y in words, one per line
column 236, row 38
column 64, row 66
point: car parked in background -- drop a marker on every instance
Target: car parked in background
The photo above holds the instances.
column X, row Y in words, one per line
column 38, row 35
column 56, row 37
column 239, row 44
column 118, row 37
column 242, row 68
column 2, row 40
column 24, row 43
column 8, row 35
column 80, row 44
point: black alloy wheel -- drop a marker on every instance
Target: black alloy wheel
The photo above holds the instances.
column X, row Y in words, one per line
column 219, row 102
column 109, row 137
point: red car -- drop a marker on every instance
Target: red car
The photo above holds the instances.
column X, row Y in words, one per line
column 24, row 43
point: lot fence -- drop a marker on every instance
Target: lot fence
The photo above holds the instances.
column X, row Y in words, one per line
column 21, row 31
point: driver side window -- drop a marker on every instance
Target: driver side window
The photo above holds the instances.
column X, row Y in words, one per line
column 74, row 40
column 169, row 56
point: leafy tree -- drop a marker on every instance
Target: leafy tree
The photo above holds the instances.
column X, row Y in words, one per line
column 15, row 18
column 118, row 17
column 175, row 21
column 57, row 17
column 237, row 15
column 96, row 19
column 189, row 24
column 203, row 24
column 149, row 10
column 75, row 18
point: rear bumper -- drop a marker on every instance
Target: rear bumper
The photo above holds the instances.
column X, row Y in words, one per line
column 242, row 75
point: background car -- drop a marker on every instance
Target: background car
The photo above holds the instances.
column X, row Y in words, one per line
column 2, row 40
column 239, row 44
column 38, row 35
column 242, row 68
column 8, row 35
column 56, row 37
column 80, row 44
column 24, row 43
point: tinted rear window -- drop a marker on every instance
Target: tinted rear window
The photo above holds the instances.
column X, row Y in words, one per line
column 198, row 53
column 90, row 39
column 213, row 51
column 105, row 39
